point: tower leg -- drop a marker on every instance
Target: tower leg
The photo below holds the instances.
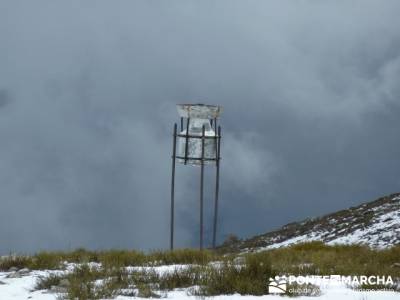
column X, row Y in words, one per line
column 214, row 242
column 202, row 188
column 171, row 241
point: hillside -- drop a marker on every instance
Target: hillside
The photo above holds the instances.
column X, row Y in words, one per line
column 376, row 223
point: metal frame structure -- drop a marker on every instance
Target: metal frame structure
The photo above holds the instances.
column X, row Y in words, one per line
column 202, row 159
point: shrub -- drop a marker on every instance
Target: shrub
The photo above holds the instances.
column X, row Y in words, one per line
column 182, row 256
column 121, row 258
column 82, row 284
column 18, row 262
column 46, row 261
column 80, row 255
column 180, row 278
column 145, row 291
column 46, row 282
column 247, row 279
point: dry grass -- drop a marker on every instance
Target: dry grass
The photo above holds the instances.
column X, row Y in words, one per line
column 241, row 273
column 113, row 258
column 319, row 259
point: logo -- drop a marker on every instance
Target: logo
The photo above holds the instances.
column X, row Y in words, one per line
column 310, row 284
column 277, row 285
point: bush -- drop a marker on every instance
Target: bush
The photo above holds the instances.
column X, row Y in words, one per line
column 247, row 279
column 45, row 283
column 18, row 262
column 180, row 278
column 182, row 256
column 122, row 258
column 82, row 284
column 80, row 255
column 46, row 261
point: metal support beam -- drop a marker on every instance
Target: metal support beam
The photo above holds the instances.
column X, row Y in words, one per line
column 218, row 146
column 202, row 186
column 171, row 241
column 187, row 140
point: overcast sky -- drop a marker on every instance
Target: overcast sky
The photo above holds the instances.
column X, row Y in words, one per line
column 311, row 98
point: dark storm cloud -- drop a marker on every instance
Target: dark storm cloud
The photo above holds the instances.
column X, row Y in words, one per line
column 310, row 92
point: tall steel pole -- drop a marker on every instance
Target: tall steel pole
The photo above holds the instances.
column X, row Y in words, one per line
column 214, row 242
column 171, row 241
column 202, row 186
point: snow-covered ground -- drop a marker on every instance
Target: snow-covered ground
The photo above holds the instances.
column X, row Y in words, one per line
column 22, row 289
column 375, row 224
column 383, row 231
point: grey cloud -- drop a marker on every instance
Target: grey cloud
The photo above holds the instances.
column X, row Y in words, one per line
column 311, row 103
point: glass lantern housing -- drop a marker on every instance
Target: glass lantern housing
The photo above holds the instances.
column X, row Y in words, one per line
column 190, row 139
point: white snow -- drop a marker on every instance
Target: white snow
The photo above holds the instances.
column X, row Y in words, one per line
column 369, row 236
column 312, row 236
column 383, row 231
column 331, row 294
column 22, row 289
column 298, row 239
